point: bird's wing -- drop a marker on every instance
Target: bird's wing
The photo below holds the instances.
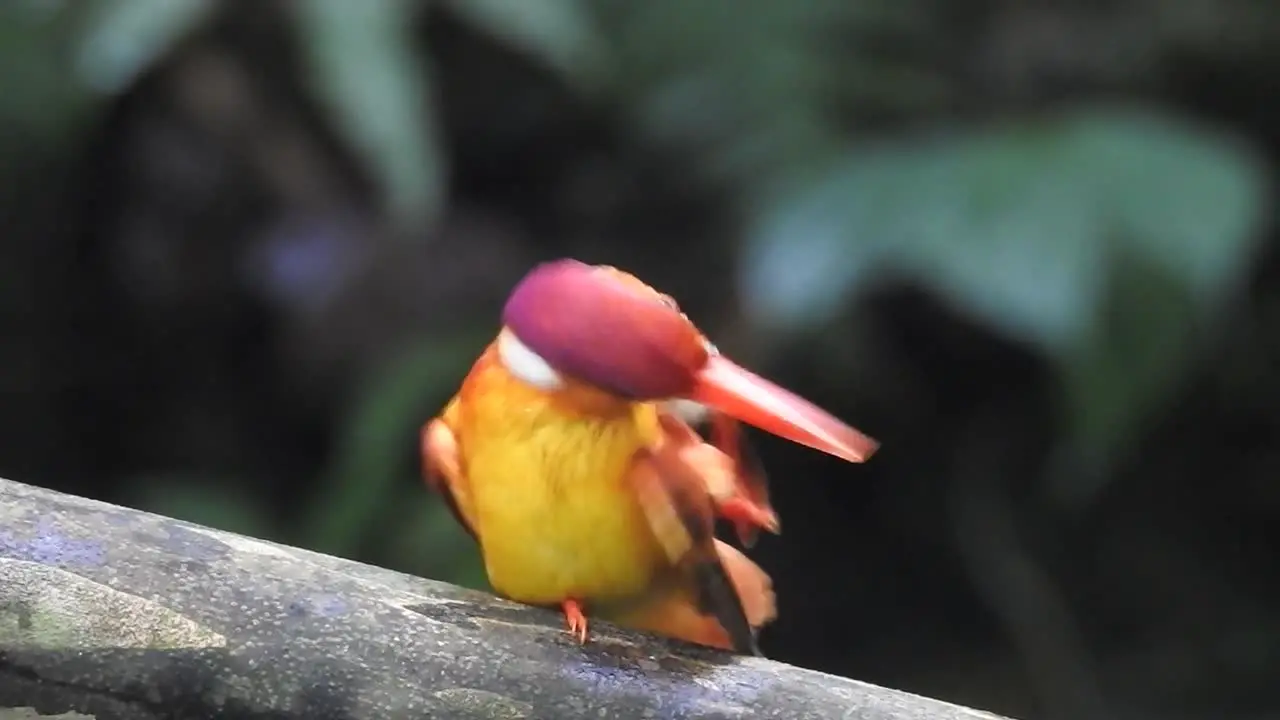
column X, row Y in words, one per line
column 442, row 467
column 685, row 611
column 731, row 471
column 730, row 437
column 726, row 597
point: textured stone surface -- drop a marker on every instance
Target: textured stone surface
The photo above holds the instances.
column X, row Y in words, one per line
column 109, row 613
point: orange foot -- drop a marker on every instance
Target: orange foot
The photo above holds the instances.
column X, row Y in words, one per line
column 576, row 621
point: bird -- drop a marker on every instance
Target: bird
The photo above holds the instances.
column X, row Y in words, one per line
column 569, row 455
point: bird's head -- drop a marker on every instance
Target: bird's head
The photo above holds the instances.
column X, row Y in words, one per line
column 567, row 321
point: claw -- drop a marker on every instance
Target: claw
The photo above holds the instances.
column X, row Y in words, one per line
column 576, row 620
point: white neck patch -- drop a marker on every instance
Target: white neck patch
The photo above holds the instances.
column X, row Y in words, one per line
column 690, row 411
column 525, row 364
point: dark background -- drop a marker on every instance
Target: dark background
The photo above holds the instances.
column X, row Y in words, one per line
column 248, row 248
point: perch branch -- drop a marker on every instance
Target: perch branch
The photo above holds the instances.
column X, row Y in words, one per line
column 116, row 613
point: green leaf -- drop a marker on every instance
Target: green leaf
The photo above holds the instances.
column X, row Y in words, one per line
column 1141, row 346
column 379, row 435
column 558, row 33
column 123, row 38
column 987, row 221
column 1022, row 226
column 366, row 69
column 1014, row 224
column 1186, row 199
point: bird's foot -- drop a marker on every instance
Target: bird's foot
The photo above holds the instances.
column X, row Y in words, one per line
column 575, row 620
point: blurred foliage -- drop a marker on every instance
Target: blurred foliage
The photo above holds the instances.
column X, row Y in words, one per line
column 363, row 59
column 1108, row 237
column 362, row 483
column 1040, row 230
column 121, row 39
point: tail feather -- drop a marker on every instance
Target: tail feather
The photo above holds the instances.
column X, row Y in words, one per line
column 717, row 598
column 724, row 606
column 752, row 584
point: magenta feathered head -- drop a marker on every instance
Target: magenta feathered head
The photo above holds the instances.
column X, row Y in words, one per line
column 607, row 328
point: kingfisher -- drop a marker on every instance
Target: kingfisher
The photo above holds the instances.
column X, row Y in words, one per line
column 570, row 455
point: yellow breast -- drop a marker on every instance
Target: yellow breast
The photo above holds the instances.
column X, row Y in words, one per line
column 549, row 488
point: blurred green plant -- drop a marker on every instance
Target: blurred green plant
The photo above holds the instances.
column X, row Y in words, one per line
column 364, row 64
column 378, row 88
column 559, row 34
column 121, row 39
column 1106, row 237
column 40, row 106
column 369, row 477
column 367, row 68
column 752, row 88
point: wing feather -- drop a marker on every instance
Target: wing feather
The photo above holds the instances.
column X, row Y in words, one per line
column 442, row 467
column 730, row 470
column 675, row 491
column 751, row 482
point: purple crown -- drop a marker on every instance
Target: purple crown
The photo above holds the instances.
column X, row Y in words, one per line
column 590, row 325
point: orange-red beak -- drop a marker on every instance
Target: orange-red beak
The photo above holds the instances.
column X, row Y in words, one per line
column 736, row 391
